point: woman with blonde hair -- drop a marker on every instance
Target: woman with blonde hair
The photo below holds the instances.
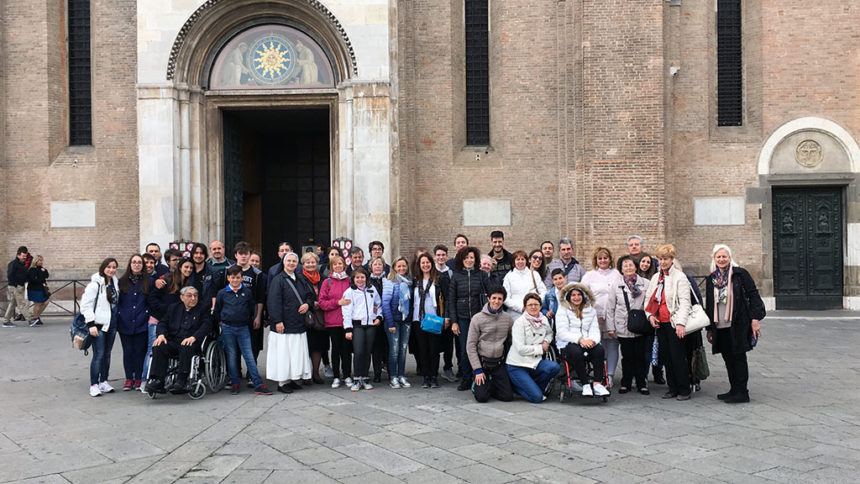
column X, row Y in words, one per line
column 736, row 309
column 37, row 288
column 602, row 279
column 667, row 308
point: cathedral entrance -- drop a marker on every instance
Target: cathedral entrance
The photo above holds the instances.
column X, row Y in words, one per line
column 277, row 178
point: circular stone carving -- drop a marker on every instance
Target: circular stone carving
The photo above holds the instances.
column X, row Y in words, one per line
column 808, row 153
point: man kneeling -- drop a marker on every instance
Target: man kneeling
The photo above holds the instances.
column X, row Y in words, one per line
column 488, row 334
column 179, row 334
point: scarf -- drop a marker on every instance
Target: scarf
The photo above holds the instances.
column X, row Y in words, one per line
column 495, row 312
column 133, row 278
column 723, row 293
column 338, row 275
column 314, row 276
column 631, row 285
column 536, row 322
column 661, row 283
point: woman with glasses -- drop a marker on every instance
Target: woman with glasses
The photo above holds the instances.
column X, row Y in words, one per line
column 531, row 336
column 520, row 281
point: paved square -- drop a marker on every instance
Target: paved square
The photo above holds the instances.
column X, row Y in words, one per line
column 803, row 425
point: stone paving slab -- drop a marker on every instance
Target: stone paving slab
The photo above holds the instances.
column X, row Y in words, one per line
column 799, row 427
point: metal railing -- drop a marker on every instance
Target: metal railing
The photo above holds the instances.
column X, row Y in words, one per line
column 65, row 296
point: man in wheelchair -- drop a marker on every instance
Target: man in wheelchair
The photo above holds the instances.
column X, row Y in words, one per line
column 178, row 335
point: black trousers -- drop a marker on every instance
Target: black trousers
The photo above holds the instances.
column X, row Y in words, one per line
column 736, row 361
column 497, row 384
column 576, row 356
column 449, row 348
column 341, row 352
column 162, row 354
column 674, row 354
column 428, row 352
column 380, row 349
column 362, row 347
column 632, row 364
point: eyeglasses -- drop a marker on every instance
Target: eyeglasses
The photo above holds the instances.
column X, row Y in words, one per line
column 532, row 304
column 537, row 257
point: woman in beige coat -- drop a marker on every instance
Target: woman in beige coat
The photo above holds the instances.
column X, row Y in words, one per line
column 667, row 308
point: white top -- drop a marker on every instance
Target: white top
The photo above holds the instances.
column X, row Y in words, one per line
column 526, row 342
column 97, row 290
column 518, row 283
column 571, row 329
column 365, row 306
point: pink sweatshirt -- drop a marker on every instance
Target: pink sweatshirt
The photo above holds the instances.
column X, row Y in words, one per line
column 331, row 291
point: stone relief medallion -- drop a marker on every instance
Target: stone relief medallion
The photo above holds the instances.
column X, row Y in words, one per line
column 808, row 153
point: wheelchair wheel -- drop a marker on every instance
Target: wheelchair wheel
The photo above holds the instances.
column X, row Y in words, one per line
column 198, row 389
column 151, row 395
column 561, row 395
column 216, row 367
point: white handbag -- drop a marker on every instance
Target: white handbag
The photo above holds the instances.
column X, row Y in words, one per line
column 697, row 320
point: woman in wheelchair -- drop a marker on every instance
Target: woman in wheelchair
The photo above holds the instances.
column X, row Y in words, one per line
column 179, row 334
column 578, row 336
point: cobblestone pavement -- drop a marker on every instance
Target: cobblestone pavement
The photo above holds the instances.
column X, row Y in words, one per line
column 803, row 425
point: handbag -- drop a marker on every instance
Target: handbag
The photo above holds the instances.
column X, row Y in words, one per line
column 697, row 320
column 432, row 324
column 701, row 371
column 79, row 332
column 636, row 321
column 309, row 315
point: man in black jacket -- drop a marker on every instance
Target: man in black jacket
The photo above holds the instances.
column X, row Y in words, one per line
column 179, row 334
column 504, row 259
column 16, row 275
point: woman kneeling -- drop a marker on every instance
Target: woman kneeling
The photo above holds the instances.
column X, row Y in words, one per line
column 531, row 335
column 578, row 336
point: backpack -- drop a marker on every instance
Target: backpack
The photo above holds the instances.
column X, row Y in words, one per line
column 80, row 333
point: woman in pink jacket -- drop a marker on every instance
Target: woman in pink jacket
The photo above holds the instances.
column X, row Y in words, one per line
column 330, row 300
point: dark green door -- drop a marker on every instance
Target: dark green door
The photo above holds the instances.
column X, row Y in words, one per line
column 233, row 193
column 807, row 241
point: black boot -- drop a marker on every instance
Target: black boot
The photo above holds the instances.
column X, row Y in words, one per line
column 657, row 371
column 723, row 396
column 465, row 384
column 155, row 385
column 739, row 397
column 180, row 385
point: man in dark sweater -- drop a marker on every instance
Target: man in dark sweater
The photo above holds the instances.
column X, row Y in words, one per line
column 179, row 334
column 16, row 276
column 235, row 308
column 504, row 259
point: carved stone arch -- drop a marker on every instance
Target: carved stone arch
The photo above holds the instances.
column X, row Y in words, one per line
column 205, row 29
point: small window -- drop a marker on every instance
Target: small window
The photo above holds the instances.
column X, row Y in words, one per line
column 80, row 82
column 477, row 73
column 729, row 64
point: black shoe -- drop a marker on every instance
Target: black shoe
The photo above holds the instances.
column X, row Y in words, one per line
column 179, row 387
column 434, row 382
column 20, row 317
column 377, row 378
column 682, row 398
column 644, row 391
column 740, row 397
column 317, row 380
column 658, row 378
column 464, row 385
column 426, row 382
column 234, row 389
column 723, row 396
column 669, row 395
column 307, row 383
column 38, row 322
column 285, row 388
column 295, row 386
column 623, row 390
column 155, row 385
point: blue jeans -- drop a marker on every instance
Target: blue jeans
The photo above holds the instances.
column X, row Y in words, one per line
column 152, row 328
column 398, row 343
column 529, row 383
column 102, row 346
column 237, row 339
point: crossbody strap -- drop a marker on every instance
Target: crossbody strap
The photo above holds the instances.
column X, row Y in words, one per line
column 626, row 301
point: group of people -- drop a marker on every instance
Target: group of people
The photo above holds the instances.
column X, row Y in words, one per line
column 500, row 314
column 27, row 280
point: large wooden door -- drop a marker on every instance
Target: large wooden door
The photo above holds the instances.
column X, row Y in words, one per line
column 233, row 186
column 807, row 241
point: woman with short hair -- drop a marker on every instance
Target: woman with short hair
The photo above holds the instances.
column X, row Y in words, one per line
column 531, row 336
column 317, row 338
column 290, row 297
column 668, row 308
column 602, row 280
column 736, row 310
column 628, row 296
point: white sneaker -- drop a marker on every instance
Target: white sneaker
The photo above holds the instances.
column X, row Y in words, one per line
column 328, row 372
column 394, row 383
column 365, row 383
column 356, row 385
column 404, row 383
column 600, row 390
column 335, row 383
column 586, row 391
column 348, row 382
column 94, row 391
column 105, row 387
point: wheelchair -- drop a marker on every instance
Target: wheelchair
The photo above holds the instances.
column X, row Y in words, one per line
column 208, row 369
column 571, row 387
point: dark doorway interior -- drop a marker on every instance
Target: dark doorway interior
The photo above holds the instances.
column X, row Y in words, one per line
column 277, row 178
column 807, row 241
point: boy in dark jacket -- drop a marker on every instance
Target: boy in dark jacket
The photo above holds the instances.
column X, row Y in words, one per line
column 235, row 309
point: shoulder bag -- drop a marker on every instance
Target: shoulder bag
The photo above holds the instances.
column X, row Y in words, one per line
column 310, row 321
column 636, row 321
column 697, row 320
column 79, row 332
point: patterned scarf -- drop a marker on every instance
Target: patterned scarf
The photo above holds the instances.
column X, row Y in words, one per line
column 339, row 275
column 631, row 285
column 536, row 322
column 314, row 276
column 721, row 277
column 723, row 292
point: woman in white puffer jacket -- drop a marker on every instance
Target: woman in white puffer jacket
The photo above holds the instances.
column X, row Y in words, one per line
column 98, row 307
column 521, row 281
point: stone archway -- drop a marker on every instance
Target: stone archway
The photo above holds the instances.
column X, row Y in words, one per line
column 811, row 152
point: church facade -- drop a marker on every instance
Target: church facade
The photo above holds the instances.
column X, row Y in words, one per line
column 686, row 121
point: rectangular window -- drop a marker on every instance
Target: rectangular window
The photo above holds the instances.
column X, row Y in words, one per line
column 477, row 73
column 729, row 64
column 80, row 82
